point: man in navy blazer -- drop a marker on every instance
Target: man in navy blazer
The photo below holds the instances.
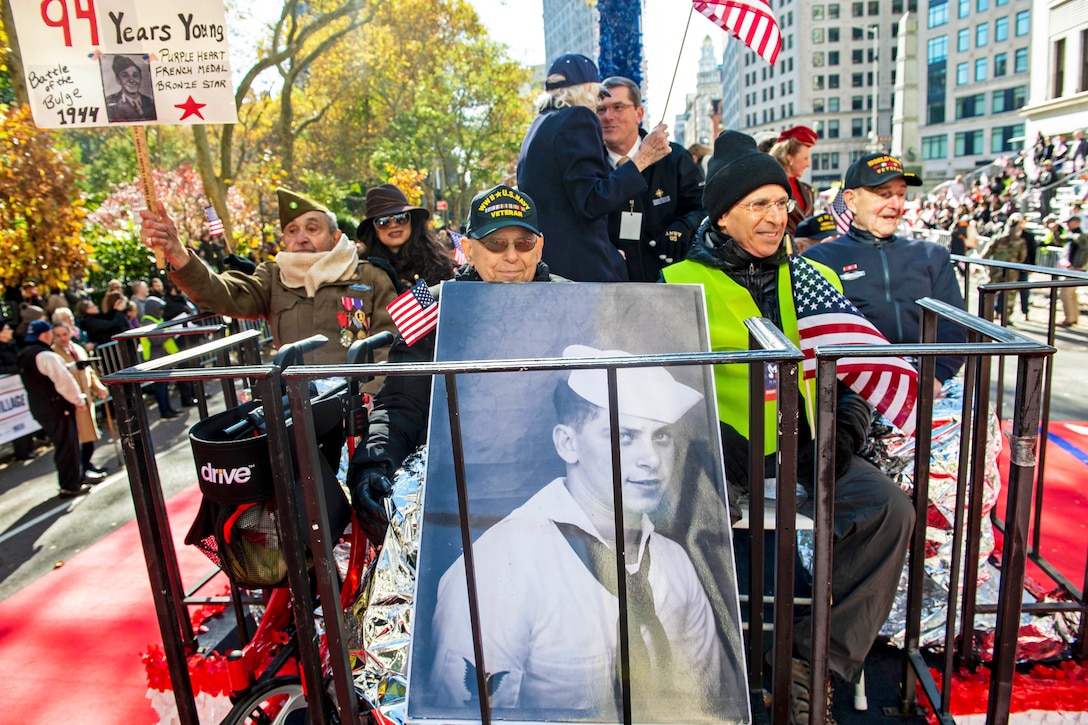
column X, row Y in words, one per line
column 564, row 167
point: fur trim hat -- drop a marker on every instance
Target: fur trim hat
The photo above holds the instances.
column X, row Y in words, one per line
column 735, row 170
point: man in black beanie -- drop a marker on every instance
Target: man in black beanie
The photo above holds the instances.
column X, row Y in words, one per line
column 739, row 255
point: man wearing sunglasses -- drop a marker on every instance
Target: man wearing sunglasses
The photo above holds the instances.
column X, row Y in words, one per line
column 317, row 284
column 503, row 244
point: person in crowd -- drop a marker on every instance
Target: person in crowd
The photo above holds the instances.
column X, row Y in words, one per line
column 99, row 326
column 111, row 298
column 9, row 356
column 400, row 234
column 700, row 154
column 1061, row 153
column 655, row 227
column 177, row 306
column 132, row 315
column 564, row 167
column 1030, row 257
column 75, row 357
column 1009, row 246
column 140, row 292
column 503, row 244
column 31, row 296
column 155, row 287
column 64, row 316
column 793, row 151
column 129, row 103
column 882, row 273
column 1079, row 151
column 27, row 313
column 317, row 284
column 740, row 257
column 1077, row 256
column 54, row 399
column 676, row 661
column 152, row 348
column 56, row 299
column 813, row 230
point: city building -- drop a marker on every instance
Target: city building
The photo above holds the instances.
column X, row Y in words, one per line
column 1058, row 99
column 945, row 96
column 571, row 26
column 701, row 120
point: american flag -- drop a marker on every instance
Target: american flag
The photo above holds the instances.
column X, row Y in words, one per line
column 215, row 224
column 826, row 317
column 414, row 312
column 458, row 250
column 750, row 21
column 843, row 216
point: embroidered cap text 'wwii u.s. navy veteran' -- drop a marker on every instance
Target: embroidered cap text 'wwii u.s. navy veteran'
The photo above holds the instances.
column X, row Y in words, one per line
column 500, row 207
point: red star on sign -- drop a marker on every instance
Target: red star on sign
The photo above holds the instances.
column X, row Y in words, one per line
column 191, row 108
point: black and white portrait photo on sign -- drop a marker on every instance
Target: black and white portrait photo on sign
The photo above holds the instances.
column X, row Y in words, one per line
column 538, row 466
column 126, row 79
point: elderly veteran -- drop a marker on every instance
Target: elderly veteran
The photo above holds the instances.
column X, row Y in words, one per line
column 317, row 284
column 503, row 244
column 546, row 572
column 564, row 166
column 883, row 273
column 740, row 257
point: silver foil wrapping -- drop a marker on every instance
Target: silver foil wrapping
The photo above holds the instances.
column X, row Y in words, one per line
column 382, row 621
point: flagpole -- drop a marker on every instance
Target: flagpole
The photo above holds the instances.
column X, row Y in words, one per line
column 691, row 11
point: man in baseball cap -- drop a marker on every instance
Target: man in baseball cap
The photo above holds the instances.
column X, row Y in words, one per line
column 877, row 169
column 813, row 230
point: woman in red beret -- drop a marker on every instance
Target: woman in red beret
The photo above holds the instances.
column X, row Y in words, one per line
column 792, row 151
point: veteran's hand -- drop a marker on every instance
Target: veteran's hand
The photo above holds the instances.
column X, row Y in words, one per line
column 158, row 231
column 653, row 148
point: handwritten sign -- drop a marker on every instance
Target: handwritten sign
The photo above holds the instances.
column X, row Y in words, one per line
column 125, row 62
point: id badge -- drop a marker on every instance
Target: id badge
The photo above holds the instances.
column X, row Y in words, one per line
column 631, row 225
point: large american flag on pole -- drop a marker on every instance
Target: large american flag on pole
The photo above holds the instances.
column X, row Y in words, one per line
column 415, row 312
column 843, row 216
column 750, row 21
column 826, row 317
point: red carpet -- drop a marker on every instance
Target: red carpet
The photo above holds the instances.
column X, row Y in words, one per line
column 71, row 643
column 1064, row 538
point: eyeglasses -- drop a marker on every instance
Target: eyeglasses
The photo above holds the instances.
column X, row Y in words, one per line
column 614, row 107
column 499, row 246
column 384, row 221
column 762, row 207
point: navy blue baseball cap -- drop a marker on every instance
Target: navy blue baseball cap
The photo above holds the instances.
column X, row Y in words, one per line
column 820, row 226
column 36, row 328
column 575, row 69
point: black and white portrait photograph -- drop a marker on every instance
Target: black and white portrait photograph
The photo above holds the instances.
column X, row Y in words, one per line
column 126, row 80
column 538, row 455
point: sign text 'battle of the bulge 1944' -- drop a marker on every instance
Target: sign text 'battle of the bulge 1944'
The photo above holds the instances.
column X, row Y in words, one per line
column 125, row 62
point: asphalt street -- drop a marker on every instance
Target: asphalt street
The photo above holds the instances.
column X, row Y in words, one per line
column 39, row 531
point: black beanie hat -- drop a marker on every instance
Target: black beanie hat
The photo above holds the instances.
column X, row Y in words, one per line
column 736, row 169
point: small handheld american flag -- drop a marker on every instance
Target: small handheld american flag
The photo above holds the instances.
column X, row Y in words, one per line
column 458, row 250
column 415, row 312
column 826, row 317
column 843, row 216
column 215, row 224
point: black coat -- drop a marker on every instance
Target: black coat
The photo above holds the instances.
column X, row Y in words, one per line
column 672, row 206
column 564, row 168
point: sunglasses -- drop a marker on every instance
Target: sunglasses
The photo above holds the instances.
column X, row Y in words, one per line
column 384, row 221
column 498, row 246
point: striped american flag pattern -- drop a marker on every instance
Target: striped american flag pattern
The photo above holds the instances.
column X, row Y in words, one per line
column 415, row 312
column 843, row 216
column 826, row 317
column 215, row 224
column 750, row 21
column 458, row 250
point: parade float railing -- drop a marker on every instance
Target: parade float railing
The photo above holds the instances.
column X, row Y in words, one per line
column 985, row 341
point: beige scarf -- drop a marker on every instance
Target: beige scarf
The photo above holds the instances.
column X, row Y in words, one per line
column 314, row 269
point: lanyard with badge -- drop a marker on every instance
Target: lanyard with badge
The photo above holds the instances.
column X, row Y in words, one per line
column 631, row 223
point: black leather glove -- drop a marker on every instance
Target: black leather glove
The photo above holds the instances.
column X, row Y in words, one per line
column 672, row 247
column 370, row 486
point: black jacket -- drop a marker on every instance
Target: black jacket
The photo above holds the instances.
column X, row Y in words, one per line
column 398, row 423
column 101, row 327
column 884, row 278
column 564, row 168
column 671, row 206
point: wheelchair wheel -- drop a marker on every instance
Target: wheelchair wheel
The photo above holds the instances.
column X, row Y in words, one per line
column 278, row 701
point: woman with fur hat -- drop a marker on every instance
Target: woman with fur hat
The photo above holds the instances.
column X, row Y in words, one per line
column 792, row 151
column 740, row 256
column 400, row 234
